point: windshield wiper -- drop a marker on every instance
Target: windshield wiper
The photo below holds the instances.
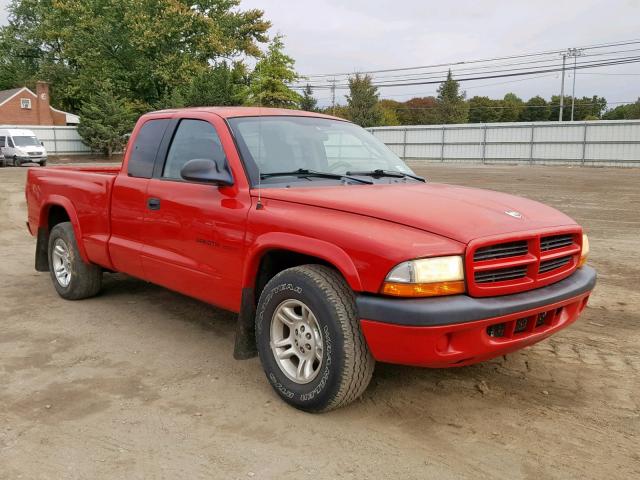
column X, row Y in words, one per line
column 303, row 172
column 388, row 173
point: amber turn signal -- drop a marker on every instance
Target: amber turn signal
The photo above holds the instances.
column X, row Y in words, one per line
column 397, row 289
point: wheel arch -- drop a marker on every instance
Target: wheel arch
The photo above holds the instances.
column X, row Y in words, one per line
column 54, row 210
column 296, row 250
column 306, row 248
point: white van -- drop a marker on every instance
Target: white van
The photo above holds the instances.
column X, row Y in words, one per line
column 22, row 146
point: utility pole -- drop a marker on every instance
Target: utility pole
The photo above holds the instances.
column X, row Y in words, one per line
column 575, row 53
column 333, row 96
column 564, row 61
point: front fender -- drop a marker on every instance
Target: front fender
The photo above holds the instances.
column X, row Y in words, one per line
column 328, row 252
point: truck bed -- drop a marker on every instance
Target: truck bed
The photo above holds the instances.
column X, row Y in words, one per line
column 86, row 191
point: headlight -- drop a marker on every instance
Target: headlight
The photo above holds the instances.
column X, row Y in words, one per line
column 426, row 277
column 585, row 250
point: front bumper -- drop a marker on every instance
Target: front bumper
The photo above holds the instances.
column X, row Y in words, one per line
column 462, row 330
column 29, row 159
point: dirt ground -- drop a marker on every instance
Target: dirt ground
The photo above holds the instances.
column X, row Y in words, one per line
column 140, row 383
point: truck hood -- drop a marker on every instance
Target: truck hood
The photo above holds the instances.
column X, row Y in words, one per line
column 458, row 213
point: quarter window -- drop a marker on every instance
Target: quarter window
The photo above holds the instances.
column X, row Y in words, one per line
column 193, row 139
column 145, row 149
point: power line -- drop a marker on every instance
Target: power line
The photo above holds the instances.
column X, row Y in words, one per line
column 465, row 62
column 426, row 81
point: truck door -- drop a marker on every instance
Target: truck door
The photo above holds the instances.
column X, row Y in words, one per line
column 129, row 197
column 194, row 233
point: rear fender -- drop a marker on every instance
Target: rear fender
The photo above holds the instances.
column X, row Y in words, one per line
column 43, row 223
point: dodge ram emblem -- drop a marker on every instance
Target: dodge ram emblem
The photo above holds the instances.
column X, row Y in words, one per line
column 513, row 213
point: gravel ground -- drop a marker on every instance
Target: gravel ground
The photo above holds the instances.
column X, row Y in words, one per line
column 140, row 382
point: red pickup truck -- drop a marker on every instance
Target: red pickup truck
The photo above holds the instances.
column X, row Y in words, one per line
column 331, row 250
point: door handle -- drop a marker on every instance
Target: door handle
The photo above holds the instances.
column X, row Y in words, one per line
column 153, row 203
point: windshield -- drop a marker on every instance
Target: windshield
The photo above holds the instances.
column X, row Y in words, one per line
column 26, row 142
column 287, row 144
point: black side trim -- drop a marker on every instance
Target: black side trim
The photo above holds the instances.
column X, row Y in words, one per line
column 245, row 345
column 42, row 250
column 462, row 308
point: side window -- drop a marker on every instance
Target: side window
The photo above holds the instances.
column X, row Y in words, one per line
column 143, row 152
column 2, row 142
column 193, row 139
column 10, row 142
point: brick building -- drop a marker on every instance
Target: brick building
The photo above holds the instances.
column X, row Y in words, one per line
column 20, row 106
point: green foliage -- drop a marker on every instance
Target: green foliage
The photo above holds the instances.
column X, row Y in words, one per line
column 341, row 111
column 270, row 79
column 484, row 110
column 390, row 112
column 419, row 111
column 362, row 102
column 144, row 49
column 308, row 102
column 220, row 85
column 536, row 109
column 624, row 112
column 452, row 107
column 512, row 107
column 105, row 120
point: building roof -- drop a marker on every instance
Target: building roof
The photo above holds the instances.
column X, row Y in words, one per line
column 8, row 94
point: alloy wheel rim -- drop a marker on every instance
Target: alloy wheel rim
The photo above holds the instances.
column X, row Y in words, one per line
column 61, row 260
column 296, row 341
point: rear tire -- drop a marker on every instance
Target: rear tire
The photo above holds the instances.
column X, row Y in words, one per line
column 72, row 278
column 308, row 313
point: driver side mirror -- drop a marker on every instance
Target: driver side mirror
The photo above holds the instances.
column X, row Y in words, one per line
column 205, row 170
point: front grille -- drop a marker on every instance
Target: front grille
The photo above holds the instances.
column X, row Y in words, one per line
column 549, row 265
column 555, row 241
column 500, row 275
column 502, row 250
column 35, row 154
column 522, row 263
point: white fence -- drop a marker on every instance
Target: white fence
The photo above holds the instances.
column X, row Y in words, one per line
column 57, row 140
column 603, row 142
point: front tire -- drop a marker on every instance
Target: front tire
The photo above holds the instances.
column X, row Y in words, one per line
column 16, row 162
column 309, row 339
column 72, row 278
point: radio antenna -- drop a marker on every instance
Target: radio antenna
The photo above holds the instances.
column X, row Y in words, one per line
column 259, row 205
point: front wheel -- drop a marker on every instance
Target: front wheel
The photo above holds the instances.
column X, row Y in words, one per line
column 16, row 162
column 309, row 339
column 72, row 278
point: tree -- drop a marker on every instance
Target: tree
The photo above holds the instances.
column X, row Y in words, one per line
column 220, row 85
column 308, row 102
column 483, row 110
column 588, row 107
column 362, row 101
column 145, row 50
column 536, row 109
column 389, row 109
column 512, row 107
column 105, row 120
column 452, row 107
column 271, row 78
column 419, row 111
column 624, row 112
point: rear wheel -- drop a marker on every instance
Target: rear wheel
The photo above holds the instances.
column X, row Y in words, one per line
column 72, row 278
column 309, row 339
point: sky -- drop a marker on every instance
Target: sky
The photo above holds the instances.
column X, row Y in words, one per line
column 327, row 36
